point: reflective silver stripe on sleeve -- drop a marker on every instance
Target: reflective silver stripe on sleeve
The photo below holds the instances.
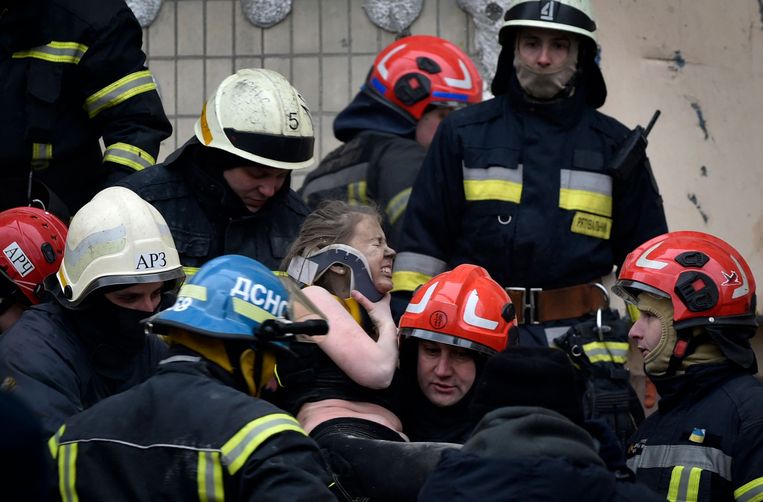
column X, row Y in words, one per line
column 420, row 263
column 119, row 91
column 128, row 155
column 668, row 456
column 397, row 205
column 244, row 442
column 55, row 52
column 752, row 491
column 338, row 179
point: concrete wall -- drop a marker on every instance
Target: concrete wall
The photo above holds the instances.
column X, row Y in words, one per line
column 699, row 61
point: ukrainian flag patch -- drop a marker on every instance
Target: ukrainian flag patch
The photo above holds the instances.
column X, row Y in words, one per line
column 697, row 435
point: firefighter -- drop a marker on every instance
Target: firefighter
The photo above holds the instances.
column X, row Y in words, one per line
column 532, row 442
column 696, row 296
column 453, row 325
column 64, row 356
column 523, row 185
column 196, row 429
column 226, row 191
column 73, row 72
column 32, row 242
column 386, row 129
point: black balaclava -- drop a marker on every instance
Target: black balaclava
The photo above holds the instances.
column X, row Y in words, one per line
column 113, row 335
column 422, row 420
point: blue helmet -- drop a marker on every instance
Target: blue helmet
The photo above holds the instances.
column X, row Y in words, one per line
column 237, row 298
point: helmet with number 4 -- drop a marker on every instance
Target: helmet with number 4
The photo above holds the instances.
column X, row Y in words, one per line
column 463, row 307
column 32, row 241
column 570, row 16
column 115, row 239
column 420, row 71
column 257, row 115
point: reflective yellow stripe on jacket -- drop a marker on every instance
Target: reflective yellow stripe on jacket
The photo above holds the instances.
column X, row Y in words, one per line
column 609, row 352
column 209, row 477
column 55, row 52
column 128, row 155
column 397, row 205
column 684, row 484
column 586, row 191
column 67, row 472
column 414, row 269
column 237, row 450
column 751, row 491
column 493, row 183
column 119, row 91
column 356, row 193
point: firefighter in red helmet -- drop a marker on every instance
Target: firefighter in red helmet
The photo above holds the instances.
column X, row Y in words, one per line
column 32, row 243
column 696, row 295
column 452, row 325
column 387, row 128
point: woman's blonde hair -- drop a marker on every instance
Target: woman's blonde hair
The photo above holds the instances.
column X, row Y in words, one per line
column 332, row 222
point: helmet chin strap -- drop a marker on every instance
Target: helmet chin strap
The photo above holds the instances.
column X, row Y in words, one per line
column 307, row 270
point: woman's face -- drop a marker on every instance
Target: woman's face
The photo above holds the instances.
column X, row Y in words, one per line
column 369, row 239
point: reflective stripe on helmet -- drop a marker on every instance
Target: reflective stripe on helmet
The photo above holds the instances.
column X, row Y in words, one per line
column 434, row 336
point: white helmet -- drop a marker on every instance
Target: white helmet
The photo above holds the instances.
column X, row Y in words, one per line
column 575, row 16
column 116, row 238
column 257, row 115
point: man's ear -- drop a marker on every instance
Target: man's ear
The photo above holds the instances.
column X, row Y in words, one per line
column 338, row 269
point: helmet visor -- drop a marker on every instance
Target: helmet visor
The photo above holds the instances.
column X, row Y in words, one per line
column 434, row 336
column 629, row 291
column 300, row 309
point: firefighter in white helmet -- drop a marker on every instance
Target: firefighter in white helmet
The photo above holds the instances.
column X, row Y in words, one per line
column 64, row 356
column 226, row 191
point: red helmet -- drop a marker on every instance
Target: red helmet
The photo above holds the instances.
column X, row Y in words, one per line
column 422, row 70
column 32, row 243
column 707, row 280
column 463, row 307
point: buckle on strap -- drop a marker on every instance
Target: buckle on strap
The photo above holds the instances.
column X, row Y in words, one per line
column 538, row 305
column 527, row 307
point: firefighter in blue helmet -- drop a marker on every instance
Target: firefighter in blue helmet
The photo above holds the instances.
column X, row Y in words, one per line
column 73, row 72
column 196, row 429
column 524, row 185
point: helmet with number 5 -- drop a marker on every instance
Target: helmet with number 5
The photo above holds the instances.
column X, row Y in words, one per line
column 115, row 239
column 463, row 307
column 256, row 114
